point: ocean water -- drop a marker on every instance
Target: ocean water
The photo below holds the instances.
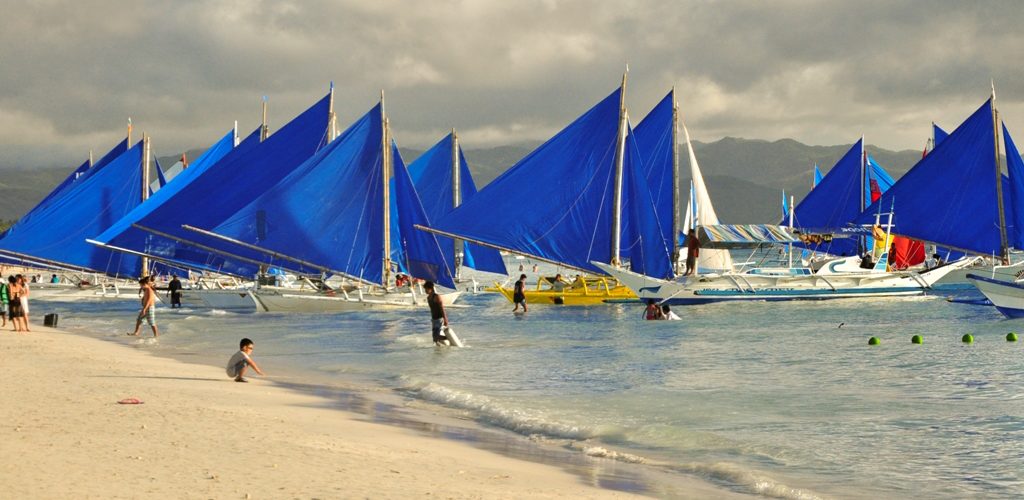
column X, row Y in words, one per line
column 777, row 400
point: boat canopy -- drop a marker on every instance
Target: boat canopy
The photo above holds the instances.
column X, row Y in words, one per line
column 728, row 236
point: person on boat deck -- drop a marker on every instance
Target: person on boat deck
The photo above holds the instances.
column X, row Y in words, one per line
column 890, row 261
column 54, row 279
column 519, row 293
column 400, row 280
column 438, row 316
column 652, row 312
column 666, row 313
column 558, row 283
column 866, row 262
column 692, row 252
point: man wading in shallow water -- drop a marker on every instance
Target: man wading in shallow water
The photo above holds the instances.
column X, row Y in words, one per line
column 148, row 310
column 438, row 316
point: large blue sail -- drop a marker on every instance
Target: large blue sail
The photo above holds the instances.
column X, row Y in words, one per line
column 556, row 203
column 57, row 231
column 422, row 252
column 1014, row 194
column 169, row 250
column 833, row 203
column 948, row 197
column 431, row 173
column 213, row 195
column 643, row 236
column 85, row 168
column 654, row 141
column 326, row 211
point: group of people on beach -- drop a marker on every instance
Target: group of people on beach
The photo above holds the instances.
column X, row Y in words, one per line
column 14, row 303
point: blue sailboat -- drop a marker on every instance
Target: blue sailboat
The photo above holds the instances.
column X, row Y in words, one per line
column 339, row 212
column 54, row 232
column 443, row 181
column 210, row 191
column 594, row 203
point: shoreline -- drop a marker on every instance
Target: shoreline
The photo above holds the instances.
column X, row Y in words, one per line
column 200, row 433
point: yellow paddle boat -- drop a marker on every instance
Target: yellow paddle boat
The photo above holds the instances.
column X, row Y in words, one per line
column 581, row 292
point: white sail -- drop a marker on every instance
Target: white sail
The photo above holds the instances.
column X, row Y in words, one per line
column 709, row 259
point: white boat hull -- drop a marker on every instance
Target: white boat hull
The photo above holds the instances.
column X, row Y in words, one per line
column 1007, row 296
column 778, row 287
column 320, row 303
column 227, row 300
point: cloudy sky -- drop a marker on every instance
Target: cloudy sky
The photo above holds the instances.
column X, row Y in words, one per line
column 500, row 72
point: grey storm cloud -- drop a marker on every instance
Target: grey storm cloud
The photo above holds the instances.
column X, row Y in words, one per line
column 71, row 73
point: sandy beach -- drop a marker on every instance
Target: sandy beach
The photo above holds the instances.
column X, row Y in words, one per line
column 200, row 435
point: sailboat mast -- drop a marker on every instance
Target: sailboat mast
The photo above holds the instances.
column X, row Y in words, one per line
column 144, row 262
column 90, row 158
column 1004, row 250
column 456, row 198
column 620, row 152
column 264, row 129
column 863, row 167
column 332, row 119
column 675, row 182
column 386, row 176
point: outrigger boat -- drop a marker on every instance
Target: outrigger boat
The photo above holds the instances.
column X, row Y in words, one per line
column 840, row 278
column 600, row 203
column 580, row 292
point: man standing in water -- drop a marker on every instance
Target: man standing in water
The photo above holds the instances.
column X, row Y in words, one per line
column 438, row 316
column 174, row 289
column 148, row 310
column 519, row 293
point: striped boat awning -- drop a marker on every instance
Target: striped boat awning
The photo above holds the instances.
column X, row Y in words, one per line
column 743, row 235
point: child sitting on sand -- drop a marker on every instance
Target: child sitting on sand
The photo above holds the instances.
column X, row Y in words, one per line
column 241, row 361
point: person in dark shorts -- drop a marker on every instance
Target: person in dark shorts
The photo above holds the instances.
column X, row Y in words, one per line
column 438, row 316
column 174, row 288
column 519, row 293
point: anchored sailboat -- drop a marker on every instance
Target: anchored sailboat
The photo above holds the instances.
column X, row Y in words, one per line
column 579, row 197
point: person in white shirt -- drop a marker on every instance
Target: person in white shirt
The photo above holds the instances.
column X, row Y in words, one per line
column 241, row 361
column 666, row 313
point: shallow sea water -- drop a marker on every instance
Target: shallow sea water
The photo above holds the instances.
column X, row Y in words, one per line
column 772, row 399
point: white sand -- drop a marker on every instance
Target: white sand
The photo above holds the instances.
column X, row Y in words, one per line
column 200, row 435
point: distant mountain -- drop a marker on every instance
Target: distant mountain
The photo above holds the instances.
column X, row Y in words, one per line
column 745, row 177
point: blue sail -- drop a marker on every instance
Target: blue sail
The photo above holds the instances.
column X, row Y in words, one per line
column 556, row 203
column 833, row 203
column 422, row 252
column 1014, row 194
column 328, row 212
column 431, row 173
column 654, row 140
column 948, row 197
column 938, row 134
column 643, row 238
column 817, row 176
column 207, row 197
column 84, row 168
column 57, row 231
column 170, row 250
